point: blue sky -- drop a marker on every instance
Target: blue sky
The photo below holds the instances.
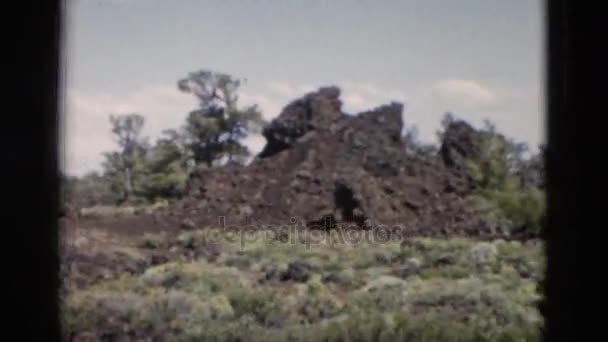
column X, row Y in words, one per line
column 477, row 58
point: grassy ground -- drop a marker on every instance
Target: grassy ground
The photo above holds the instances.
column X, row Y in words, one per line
column 218, row 287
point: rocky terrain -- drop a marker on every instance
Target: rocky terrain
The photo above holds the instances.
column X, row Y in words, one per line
column 322, row 168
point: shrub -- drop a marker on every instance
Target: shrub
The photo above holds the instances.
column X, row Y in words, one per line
column 525, row 209
column 483, row 253
column 499, row 173
column 357, row 301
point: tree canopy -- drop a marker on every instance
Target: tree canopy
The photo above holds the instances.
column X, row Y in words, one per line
column 215, row 130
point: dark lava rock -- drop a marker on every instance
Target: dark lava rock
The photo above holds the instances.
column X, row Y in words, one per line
column 460, row 142
column 322, row 168
column 445, row 260
column 158, row 259
column 296, row 271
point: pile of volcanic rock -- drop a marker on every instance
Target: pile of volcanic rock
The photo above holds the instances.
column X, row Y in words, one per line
column 322, row 168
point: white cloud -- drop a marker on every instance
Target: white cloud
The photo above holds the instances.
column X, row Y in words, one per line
column 468, row 92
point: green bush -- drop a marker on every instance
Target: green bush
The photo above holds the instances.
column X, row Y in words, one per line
column 498, row 174
column 523, row 208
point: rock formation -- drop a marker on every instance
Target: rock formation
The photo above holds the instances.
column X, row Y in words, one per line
column 322, row 168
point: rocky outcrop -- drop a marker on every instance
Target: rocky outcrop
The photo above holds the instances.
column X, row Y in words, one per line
column 460, row 142
column 322, row 168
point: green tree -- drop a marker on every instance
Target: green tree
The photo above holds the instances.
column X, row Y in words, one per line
column 125, row 165
column 214, row 131
column 166, row 168
column 501, row 161
column 500, row 174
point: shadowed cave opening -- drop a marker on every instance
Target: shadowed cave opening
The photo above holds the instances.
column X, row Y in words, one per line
column 345, row 201
column 347, row 205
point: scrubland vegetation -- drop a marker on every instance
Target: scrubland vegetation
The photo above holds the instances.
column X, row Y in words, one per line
column 268, row 290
